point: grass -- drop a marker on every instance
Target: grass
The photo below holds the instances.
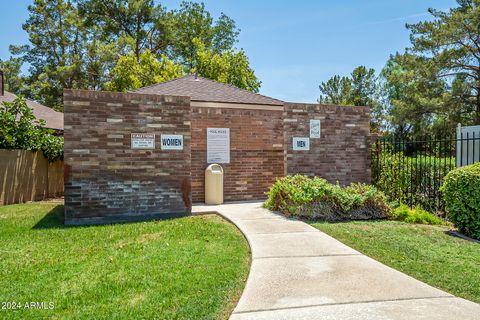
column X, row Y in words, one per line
column 185, row 268
column 424, row 252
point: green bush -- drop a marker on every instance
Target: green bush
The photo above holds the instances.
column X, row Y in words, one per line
column 316, row 198
column 415, row 215
column 461, row 192
column 19, row 129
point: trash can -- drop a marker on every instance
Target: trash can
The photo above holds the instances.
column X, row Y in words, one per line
column 214, row 184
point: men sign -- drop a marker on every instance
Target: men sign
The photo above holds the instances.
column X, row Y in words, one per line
column 171, row 142
column 301, row 144
column 143, row 141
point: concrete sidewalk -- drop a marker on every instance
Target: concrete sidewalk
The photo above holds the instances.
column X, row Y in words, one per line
column 299, row 272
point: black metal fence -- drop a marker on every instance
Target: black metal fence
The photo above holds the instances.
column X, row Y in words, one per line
column 412, row 171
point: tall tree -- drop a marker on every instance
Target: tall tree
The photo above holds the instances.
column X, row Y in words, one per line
column 136, row 25
column 359, row 89
column 14, row 80
column 451, row 44
column 363, row 87
column 335, row 91
column 193, row 21
column 56, row 52
column 227, row 67
column 412, row 95
column 130, row 73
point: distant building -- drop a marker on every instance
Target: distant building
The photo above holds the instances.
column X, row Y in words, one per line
column 53, row 119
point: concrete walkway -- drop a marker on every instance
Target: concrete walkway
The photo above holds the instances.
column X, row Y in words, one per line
column 298, row 272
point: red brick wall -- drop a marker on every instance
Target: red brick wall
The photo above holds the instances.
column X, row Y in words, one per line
column 256, row 151
column 343, row 151
column 106, row 180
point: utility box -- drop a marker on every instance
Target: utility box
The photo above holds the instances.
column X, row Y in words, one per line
column 214, row 184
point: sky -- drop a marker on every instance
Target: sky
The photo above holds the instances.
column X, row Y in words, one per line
column 293, row 45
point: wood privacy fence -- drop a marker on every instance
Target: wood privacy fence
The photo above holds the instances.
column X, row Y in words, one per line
column 28, row 176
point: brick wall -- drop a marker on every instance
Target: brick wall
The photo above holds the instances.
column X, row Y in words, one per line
column 343, row 151
column 108, row 181
column 256, row 151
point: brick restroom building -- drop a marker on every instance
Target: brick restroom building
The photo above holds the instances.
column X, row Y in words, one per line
column 119, row 166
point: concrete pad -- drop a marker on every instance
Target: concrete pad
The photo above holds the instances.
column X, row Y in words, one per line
column 417, row 309
column 255, row 226
column 296, row 244
column 294, row 282
column 244, row 211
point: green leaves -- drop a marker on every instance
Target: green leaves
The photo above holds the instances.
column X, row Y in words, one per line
column 130, row 73
column 227, row 67
column 316, row 198
column 120, row 45
column 461, row 191
column 19, row 129
column 435, row 84
column 357, row 90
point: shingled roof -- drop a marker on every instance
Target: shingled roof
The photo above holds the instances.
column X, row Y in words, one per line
column 202, row 89
column 53, row 119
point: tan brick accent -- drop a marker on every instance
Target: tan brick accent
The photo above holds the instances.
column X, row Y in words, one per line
column 106, row 180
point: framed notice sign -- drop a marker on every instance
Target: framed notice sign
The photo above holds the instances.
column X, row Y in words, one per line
column 143, row 141
column 315, row 129
column 218, row 145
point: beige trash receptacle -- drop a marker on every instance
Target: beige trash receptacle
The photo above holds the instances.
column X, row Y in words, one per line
column 214, row 184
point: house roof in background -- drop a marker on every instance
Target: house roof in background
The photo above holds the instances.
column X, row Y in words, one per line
column 202, row 89
column 53, row 119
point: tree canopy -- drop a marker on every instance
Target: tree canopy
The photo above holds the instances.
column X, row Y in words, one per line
column 121, row 45
column 430, row 87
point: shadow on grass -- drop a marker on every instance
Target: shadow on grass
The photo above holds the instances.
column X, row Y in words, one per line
column 52, row 220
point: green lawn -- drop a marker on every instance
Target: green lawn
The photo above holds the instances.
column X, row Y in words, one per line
column 186, row 268
column 424, row 252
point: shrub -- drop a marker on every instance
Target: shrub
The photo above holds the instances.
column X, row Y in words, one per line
column 19, row 129
column 315, row 198
column 415, row 215
column 461, row 192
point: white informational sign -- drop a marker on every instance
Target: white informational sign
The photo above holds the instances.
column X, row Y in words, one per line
column 218, row 145
column 315, row 129
column 171, row 142
column 301, row 144
column 143, row 141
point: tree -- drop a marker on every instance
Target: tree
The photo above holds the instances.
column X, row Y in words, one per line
column 19, row 129
column 363, row 87
column 335, row 91
column 88, row 44
column 56, row 52
column 192, row 21
column 14, row 80
column 413, row 96
column 357, row 90
column 451, row 44
column 227, row 67
column 130, row 73
column 135, row 25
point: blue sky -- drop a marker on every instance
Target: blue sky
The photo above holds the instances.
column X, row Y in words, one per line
column 293, row 45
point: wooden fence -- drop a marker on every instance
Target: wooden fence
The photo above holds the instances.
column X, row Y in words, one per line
column 28, row 176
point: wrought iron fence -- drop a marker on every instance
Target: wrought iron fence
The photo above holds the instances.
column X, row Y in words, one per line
column 412, row 171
